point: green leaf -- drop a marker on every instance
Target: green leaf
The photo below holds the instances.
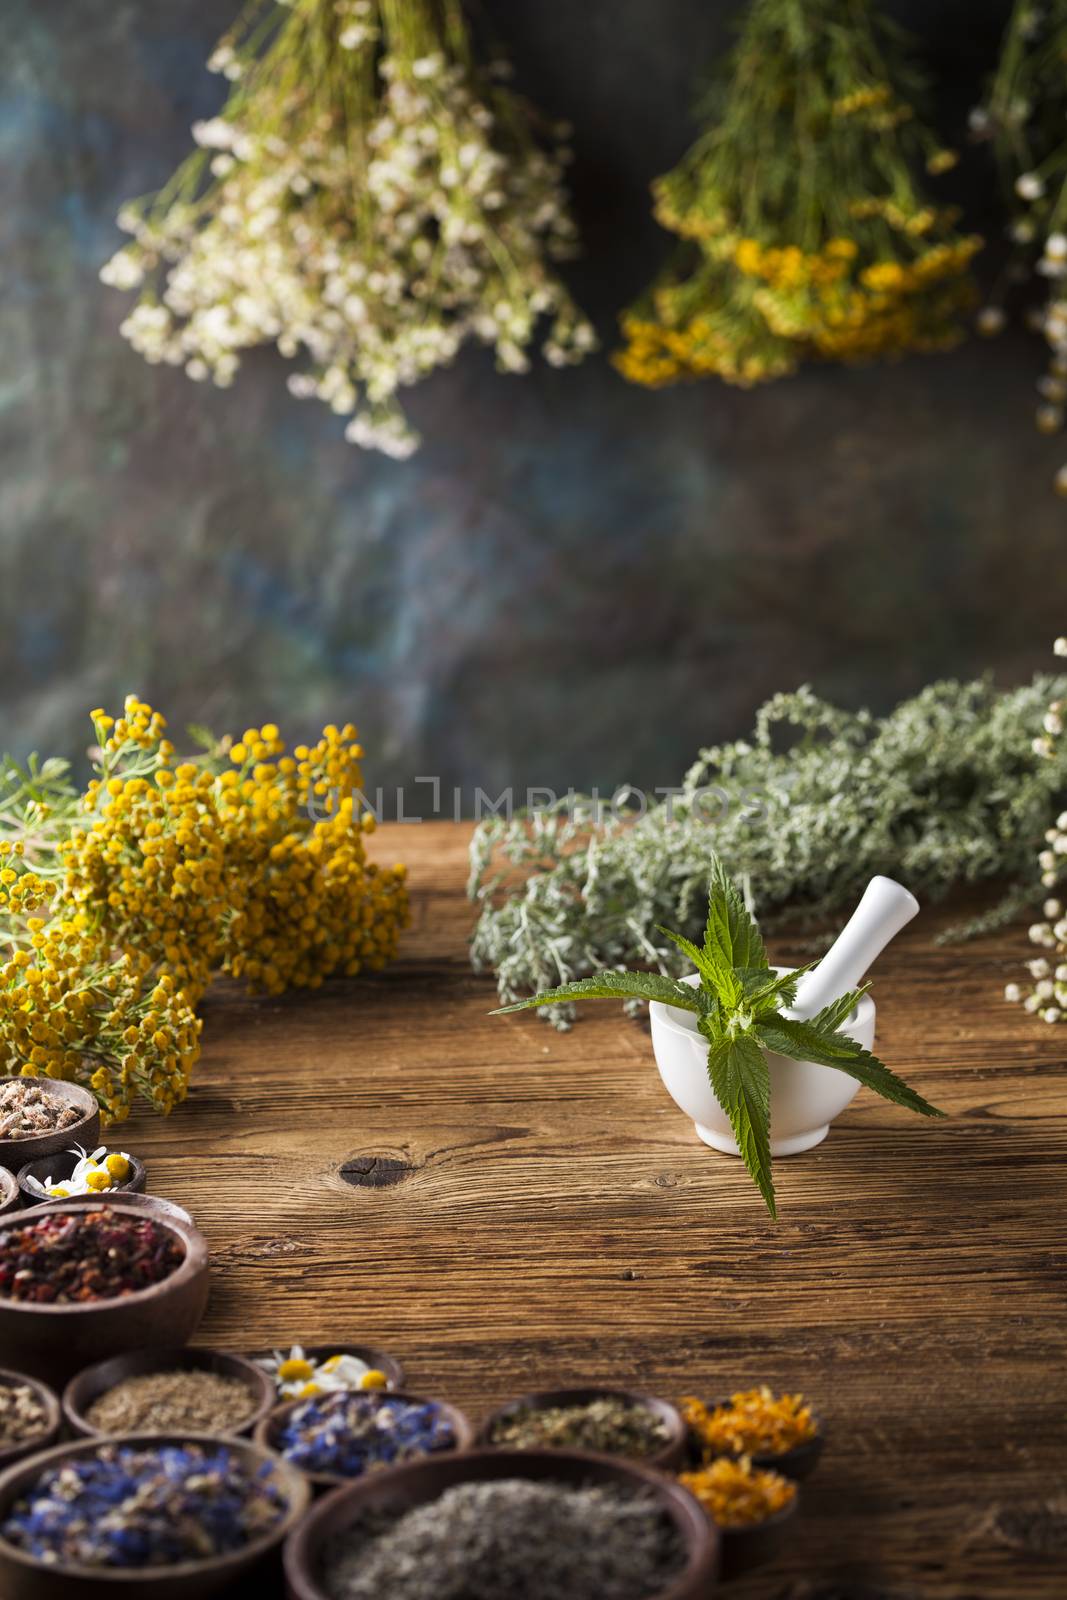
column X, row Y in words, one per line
column 765, row 992
column 804, row 1042
column 830, row 1018
column 737, row 1068
column 730, row 931
column 618, row 986
column 715, row 974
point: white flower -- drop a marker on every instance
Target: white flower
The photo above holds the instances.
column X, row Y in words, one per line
column 1013, row 993
column 1039, row 968
column 1052, row 1014
column 1028, row 186
column 1052, row 909
column 123, row 271
column 1031, row 1003
column 216, row 134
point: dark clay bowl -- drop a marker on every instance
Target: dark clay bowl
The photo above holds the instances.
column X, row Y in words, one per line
column 55, row 1341
column 10, row 1194
column 376, row 1359
column 61, row 1166
column 797, row 1463
column 152, row 1203
column 81, row 1392
column 266, row 1432
column 49, row 1428
column 421, row 1481
column 23, row 1577
column 15, row 1153
column 741, row 1549
column 669, row 1457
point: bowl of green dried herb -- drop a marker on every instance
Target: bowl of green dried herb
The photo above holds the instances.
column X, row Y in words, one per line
column 550, row 1524
column 613, row 1422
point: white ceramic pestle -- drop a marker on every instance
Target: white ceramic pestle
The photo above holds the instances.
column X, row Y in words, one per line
column 885, row 908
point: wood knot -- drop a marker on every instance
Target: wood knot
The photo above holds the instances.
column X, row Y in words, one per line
column 375, row 1172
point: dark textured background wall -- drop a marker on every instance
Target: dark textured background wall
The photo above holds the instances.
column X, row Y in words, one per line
column 575, row 581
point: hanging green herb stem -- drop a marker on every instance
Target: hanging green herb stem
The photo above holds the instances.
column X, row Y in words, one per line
column 368, row 200
column 806, row 229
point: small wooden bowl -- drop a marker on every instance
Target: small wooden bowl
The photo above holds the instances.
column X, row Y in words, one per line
column 153, row 1204
column 61, row 1166
column 24, row 1577
column 15, row 1153
column 797, row 1463
column 417, row 1482
column 742, row 1549
column 55, row 1341
column 669, row 1456
column 49, row 1432
column 10, row 1194
column 83, row 1391
column 266, row 1433
column 375, row 1359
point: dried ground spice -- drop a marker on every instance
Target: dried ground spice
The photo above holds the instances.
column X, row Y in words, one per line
column 608, row 1424
column 735, row 1494
column 78, row 1256
column 190, row 1400
column 753, row 1422
column 515, row 1537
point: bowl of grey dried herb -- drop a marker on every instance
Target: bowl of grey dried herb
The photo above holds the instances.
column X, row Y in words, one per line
column 29, row 1417
column 546, row 1524
column 613, row 1422
column 165, row 1391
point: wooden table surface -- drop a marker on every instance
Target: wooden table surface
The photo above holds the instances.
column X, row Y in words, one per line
column 506, row 1208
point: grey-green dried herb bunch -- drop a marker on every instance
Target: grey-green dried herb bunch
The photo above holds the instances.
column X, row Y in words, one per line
column 739, row 1008
column 945, row 790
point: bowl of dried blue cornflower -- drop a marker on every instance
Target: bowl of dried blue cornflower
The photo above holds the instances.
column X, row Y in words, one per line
column 146, row 1517
column 547, row 1524
column 336, row 1437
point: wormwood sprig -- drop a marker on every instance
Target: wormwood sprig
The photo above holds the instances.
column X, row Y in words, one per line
column 741, row 1005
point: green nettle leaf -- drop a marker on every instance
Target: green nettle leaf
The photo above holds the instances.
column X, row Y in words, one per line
column 738, row 1005
column 618, row 986
column 741, row 1083
column 730, row 928
column 804, row 1042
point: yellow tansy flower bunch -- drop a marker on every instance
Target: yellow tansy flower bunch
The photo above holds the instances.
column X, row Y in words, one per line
column 806, row 232
column 243, row 860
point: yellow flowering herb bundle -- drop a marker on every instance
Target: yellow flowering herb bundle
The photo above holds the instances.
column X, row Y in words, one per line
column 806, row 232
column 120, row 904
column 367, row 200
column 1025, row 119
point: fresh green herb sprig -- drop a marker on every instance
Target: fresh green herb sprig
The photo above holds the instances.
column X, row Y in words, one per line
column 739, row 1005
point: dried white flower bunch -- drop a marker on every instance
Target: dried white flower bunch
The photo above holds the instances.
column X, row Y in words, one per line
column 1023, row 119
column 367, row 200
column 1047, row 993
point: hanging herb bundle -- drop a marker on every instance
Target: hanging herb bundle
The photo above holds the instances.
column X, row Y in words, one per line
column 1025, row 118
column 367, row 200
column 120, row 903
column 947, row 789
column 807, row 233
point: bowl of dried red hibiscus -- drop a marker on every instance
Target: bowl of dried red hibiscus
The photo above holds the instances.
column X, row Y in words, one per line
column 777, row 1431
column 40, row 1116
column 83, row 1280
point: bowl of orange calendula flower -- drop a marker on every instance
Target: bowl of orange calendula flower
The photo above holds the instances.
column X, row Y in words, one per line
column 752, row 1508
column 781, row 1432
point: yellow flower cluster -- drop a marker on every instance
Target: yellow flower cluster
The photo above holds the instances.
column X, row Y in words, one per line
column 246, row 861
column 823, row 248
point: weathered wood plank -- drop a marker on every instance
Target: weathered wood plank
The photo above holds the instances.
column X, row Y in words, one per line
column 530, row 1208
